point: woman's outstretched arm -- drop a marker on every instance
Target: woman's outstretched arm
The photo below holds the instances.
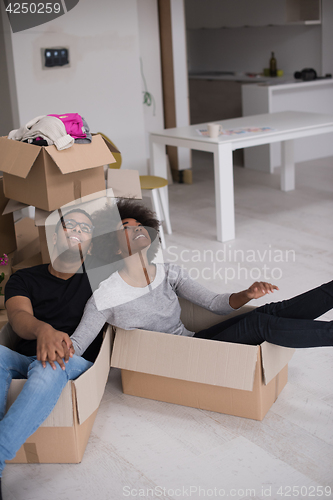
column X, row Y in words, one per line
column 255, row 291
column 220, row 303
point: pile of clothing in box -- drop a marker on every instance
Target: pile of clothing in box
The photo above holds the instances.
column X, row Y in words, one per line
column 60, row 130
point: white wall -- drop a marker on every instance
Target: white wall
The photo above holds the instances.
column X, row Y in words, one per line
column 149, row 41
column 180, row 72
column 9, row 109
column 103, row 82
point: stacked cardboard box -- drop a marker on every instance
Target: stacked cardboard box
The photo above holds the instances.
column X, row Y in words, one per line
column 7, row 243
column 7, row 231
column 5, row 272
column 123, row 184
column 47, row 178
column 3, row 318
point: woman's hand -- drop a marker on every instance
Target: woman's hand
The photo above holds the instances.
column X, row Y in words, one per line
column 259, row 289
column 255, row 291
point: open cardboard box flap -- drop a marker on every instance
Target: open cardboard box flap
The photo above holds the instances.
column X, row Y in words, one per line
column 18, row 157
column 175, row 356
column 88, row 390
column 111, row 147
column 81, row 156
column 274, row 358
column 12, row 206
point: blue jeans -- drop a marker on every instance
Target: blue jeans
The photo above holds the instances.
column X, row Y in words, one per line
column 37, row 399
column 289, row 323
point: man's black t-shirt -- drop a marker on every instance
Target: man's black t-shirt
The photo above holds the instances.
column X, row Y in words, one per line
column 58, row 302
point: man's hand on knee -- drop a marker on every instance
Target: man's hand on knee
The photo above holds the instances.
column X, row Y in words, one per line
column 53, row 345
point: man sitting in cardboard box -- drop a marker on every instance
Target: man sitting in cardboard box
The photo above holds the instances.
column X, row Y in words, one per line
column 145, row 296
column 44, row 305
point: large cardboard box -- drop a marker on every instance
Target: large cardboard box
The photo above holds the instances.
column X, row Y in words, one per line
column 124, row 183
column 3, row 318
column 27, row 240
column 34, row 260
column 235, row 379
column 64, row 435
column 7, row 231
column 47, row 178
column 7, row 271
column 28, row 251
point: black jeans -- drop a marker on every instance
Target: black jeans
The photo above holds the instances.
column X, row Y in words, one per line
column 289, row 323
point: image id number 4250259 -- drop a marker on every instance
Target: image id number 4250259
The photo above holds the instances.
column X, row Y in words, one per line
column 33, row 8
column 304, row 491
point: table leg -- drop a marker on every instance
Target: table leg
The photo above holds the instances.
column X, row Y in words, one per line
column 287, row 166
column 158, row 159
column 159, row 167
column 165, row 207
column 224, row 192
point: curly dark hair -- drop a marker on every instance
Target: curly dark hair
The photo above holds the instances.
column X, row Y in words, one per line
column 105, row 228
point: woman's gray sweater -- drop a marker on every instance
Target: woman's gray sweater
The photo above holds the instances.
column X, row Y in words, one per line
column 154, row 307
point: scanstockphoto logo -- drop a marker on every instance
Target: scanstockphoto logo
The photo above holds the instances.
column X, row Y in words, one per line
column 24, row 15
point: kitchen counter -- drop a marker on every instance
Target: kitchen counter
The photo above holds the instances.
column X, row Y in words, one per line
column 315, row 96
column 242, row 77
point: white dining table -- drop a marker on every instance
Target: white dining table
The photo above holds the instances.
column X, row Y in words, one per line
column 283, row 127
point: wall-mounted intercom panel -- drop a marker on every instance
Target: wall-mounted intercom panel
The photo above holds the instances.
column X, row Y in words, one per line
column 53, row 57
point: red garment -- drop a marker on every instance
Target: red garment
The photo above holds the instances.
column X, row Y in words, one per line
column 73, row 124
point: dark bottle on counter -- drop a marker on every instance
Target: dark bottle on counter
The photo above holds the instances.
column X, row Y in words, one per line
column 272, row 66
column 306, row 74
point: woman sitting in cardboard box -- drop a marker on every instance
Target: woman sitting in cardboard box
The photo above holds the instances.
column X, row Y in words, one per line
column 144, row 295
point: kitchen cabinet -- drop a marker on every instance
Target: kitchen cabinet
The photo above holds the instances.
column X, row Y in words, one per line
column 303, row 11
column 214, row 100
column 215, row 14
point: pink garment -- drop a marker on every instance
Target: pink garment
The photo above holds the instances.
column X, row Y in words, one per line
column 73, row 124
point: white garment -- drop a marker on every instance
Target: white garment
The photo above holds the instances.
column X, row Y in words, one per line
column 17, row 134
column 49, row 128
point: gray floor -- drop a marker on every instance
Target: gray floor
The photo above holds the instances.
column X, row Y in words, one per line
column 147, row 449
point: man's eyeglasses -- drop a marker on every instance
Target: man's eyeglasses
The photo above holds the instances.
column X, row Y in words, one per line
column 71, row 224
